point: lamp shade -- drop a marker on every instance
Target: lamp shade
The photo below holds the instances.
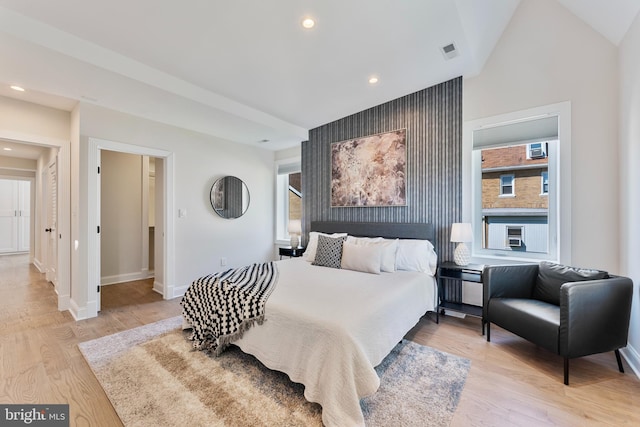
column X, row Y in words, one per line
column 461, row 232
column 295, row 226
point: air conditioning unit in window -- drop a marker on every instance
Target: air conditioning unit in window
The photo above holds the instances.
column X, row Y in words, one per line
column 515, row 242
column 538, row 150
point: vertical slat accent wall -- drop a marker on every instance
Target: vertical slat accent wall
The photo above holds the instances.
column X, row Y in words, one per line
column 433, row 119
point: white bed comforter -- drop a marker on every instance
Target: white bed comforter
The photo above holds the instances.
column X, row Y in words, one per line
column 328, row 328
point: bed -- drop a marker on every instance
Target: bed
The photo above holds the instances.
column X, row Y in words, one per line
column 328, row 328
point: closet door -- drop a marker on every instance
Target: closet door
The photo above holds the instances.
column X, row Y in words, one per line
column 52, row 224
column 8, row 216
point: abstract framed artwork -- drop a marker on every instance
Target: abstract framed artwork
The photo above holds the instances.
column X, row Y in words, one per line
column 369, row 171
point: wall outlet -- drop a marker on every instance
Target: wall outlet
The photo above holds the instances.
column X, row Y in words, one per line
column 223, row 261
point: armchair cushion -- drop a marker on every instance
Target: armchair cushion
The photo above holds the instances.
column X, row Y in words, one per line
column 552, row 276
column 536, row 321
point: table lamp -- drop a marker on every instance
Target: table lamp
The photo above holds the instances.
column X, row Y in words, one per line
column 461, row 234
column 295, row 230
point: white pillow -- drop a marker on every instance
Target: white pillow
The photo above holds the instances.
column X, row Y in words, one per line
column 365, row 258
column 363, row 240
column 416, row 255
column 389, row 254
column 312, row 244
column 389, row 248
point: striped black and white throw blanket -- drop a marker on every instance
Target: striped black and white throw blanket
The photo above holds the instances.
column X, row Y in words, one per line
column 221, row 306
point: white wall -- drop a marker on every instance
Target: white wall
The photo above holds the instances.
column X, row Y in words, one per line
column 547, row 55
column 289, row 153
column 19, row 164
column 27, row 119
column 202, row 238
column 630, row 178
column 121, row 234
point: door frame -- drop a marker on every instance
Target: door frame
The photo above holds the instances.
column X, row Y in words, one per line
column 64, row 206
column 167, row 273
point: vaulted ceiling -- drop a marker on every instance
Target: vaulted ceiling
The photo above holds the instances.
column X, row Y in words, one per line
column 247, row 71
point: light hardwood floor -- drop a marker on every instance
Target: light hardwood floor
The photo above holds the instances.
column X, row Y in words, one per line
column 511, row 382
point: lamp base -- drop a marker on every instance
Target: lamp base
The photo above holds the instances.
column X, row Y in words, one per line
column 461, row 255
column 294, row 242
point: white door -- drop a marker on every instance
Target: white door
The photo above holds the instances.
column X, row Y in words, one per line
column 52, row 223
column 8, row 215
column 24, row 215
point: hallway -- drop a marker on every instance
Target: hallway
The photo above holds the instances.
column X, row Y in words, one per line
column 40, row 360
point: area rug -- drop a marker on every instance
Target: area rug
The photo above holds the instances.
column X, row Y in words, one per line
column 153, row 378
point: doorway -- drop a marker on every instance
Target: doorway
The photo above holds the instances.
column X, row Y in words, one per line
column 163, row 216
column 42, row 149
column 127, row 223
column 29, row 208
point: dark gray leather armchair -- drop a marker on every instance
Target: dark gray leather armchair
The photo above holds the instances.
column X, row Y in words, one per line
column 571, row 312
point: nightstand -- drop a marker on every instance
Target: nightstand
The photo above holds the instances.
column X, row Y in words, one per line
column 450, row 278
column 291, row 252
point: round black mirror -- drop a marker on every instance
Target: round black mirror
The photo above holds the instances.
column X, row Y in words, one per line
column 229, row 197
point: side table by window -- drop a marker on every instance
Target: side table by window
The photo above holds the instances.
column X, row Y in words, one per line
column 450, row 278
column 291, row 252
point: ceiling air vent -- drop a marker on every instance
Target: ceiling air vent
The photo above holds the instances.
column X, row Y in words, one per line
column 449, row 51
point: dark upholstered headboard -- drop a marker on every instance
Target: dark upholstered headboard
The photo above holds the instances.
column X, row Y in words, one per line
column 377, row 229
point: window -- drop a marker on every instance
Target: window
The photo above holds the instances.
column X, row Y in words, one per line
column 506, row 185
column 288, row 196
column 544, row 183
column 528, row 147
column 514, row 236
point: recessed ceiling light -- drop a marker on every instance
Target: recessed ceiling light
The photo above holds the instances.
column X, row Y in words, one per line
column 7, row 149
column 373, row 80
column 18, row 88
column 308, row 23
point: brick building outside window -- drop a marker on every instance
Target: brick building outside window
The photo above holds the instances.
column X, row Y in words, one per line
column 515, row 202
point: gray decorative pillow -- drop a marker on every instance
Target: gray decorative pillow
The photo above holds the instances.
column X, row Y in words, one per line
column 329, row 252
column 551, row 276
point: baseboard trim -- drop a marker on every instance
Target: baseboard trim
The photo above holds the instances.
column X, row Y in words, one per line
column 64, row 302
column 122, row 278
column 158, row 287
column 633, row 359
column 76, row 312
column 175, row 291
column 38, row 264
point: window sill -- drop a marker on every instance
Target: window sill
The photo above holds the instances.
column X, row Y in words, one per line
column 488, row 259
